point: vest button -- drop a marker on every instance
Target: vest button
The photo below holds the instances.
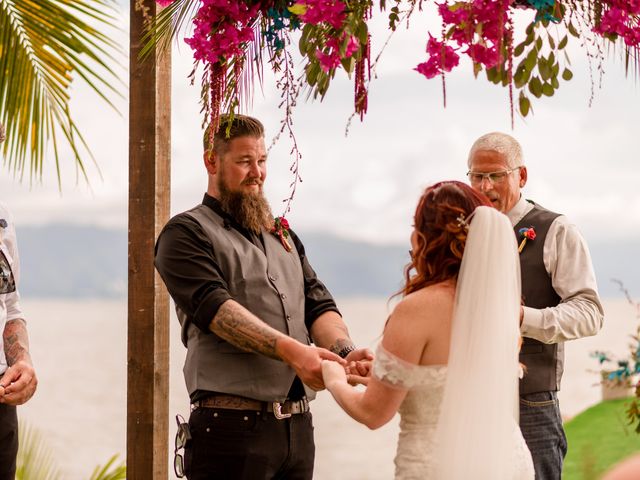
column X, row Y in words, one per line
column 273, row 278
column 288, row 318
column 283, row 296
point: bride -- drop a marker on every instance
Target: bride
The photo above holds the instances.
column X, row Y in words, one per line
column 448, row 359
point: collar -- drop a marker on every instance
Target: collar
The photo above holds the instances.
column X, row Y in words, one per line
column 519, row 210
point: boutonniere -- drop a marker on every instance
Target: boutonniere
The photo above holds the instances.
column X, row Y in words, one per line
column 526, row 234
column 281, row 230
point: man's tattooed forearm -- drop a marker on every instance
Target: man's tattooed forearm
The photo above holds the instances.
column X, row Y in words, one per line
column 240, row 328
column 16, row 341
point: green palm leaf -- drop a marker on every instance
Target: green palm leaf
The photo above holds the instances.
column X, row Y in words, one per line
column 35, row 460
column 44, row 46
column 110, row 471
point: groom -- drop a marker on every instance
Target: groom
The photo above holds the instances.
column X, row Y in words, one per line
column 558, row 288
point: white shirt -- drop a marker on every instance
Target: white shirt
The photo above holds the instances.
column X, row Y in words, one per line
column 568, row 262
column 9, row 302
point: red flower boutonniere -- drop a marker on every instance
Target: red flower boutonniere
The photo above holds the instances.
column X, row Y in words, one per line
column 526, row 234
column 281, row 230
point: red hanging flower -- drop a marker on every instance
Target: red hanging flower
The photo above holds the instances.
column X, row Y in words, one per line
column 526, row 234
column 281, row 230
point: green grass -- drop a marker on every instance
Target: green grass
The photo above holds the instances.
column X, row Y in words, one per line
column 598, row 438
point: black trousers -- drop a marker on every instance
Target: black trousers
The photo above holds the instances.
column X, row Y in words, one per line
column 8, row 441
column 249, row 445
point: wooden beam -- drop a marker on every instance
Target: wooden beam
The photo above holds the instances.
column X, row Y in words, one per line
column 148, row 309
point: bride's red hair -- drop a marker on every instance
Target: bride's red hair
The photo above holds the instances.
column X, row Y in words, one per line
column 441, row 236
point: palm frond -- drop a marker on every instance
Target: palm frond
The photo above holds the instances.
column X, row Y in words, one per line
column 167, row 24
column 44, row 45
column 35, row 459
column 110, row 471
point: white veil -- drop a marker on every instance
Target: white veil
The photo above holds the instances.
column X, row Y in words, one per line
column 479, row 410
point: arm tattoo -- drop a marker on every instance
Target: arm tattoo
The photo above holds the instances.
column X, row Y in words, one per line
column 16, row 341
column 241, row 328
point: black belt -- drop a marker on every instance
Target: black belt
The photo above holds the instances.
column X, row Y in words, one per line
column 234, row 402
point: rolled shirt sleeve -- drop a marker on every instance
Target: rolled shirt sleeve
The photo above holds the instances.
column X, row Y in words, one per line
column 318, row 300
column 185, row 260
column 568, row 262
column 10, row 246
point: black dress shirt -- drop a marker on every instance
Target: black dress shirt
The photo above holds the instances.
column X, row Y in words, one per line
column 186, row 262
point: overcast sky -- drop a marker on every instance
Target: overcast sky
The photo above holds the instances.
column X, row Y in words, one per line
column 582, row 160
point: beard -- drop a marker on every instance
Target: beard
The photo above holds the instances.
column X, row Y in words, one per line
column 250, row 210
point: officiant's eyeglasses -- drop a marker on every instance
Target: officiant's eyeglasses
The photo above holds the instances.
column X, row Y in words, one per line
column 7, row 281
column 476, row 178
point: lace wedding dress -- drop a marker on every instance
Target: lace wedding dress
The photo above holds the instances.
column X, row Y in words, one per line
column 419, row 414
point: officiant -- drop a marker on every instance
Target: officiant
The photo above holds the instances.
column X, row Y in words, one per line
column 559, row 293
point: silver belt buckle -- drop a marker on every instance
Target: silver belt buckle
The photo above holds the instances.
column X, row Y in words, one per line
column 277, row 411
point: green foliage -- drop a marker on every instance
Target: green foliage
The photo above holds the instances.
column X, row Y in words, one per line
column 44, row 45
column 536, row 65
column 36, row 461
column 598, row 438
column 110, row 471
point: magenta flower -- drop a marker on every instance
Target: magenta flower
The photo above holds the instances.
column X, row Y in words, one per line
column 329, row 11
column 429, row 69
column 328, row 61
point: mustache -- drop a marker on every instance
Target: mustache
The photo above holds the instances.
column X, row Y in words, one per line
column 253, row 181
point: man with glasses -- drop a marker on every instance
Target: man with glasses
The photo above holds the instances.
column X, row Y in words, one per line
column 17, row 377
column 249, row 304
column 559, row 293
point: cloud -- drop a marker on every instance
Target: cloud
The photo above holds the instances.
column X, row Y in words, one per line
column 582, row 161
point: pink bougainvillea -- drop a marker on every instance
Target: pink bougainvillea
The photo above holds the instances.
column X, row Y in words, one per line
column 621, row 19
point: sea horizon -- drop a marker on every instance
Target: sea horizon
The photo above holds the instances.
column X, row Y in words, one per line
column 79, row 349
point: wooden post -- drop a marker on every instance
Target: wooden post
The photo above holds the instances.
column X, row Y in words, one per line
column 148, row 310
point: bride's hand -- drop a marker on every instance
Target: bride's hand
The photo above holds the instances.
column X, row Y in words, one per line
column 357, row 380
column 333, row 373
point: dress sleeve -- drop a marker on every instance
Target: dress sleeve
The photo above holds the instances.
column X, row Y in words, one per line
column 395, row 372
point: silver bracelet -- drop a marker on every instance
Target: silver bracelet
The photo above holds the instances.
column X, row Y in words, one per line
column 346, row 351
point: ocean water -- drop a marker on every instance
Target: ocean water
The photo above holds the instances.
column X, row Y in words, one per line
column 79, row 350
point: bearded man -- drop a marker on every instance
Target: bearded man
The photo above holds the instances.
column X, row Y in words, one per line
column 249, row 305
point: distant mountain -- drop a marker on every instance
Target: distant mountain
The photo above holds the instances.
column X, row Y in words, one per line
column 90, row 262
column 72, row 261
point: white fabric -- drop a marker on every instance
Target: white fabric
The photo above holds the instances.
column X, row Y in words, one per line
column 568, row 262
column 479, row 410
column 416, row 456
column 9, row 302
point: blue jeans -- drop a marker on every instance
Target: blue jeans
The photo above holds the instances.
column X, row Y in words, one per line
column 541, row 426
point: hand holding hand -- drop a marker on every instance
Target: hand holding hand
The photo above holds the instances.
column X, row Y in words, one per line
column 306, row 361
column 18, row 384
column 359, row 366
column 333, row 373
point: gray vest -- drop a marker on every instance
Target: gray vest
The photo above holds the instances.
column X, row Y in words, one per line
column 269, row 284
column 544, row 362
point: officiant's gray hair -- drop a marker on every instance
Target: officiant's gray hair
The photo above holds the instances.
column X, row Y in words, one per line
column 499, row 142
